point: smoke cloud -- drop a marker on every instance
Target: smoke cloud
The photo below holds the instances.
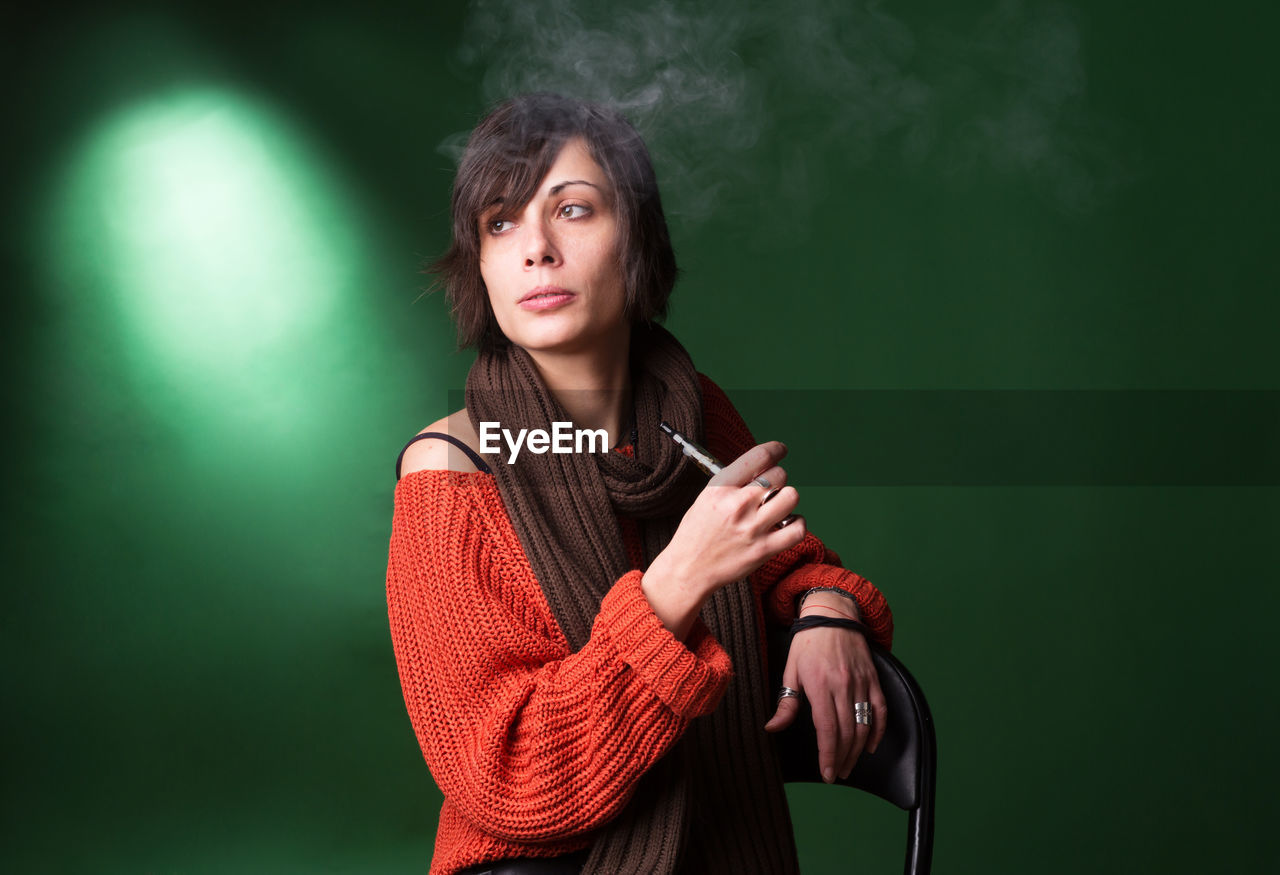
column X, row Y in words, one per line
column 703, row 83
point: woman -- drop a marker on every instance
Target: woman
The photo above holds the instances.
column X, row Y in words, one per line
column 580, row 635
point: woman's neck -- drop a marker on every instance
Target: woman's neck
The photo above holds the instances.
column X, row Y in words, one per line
column 593, row 386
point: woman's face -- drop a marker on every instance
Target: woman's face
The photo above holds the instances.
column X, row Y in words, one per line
column 550, row 266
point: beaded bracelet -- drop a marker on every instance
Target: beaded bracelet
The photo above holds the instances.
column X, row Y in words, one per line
column 800, row 601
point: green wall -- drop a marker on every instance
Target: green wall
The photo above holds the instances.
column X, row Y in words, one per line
column 216, row 342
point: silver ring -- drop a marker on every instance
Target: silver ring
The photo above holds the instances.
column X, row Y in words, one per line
column 788, row 693
column 862, row 706
column 863, row 718
column 770, row 494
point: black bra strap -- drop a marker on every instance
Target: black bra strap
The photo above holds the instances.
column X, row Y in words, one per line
column 471, row 454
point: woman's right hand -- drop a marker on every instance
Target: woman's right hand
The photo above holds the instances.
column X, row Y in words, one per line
column 725, row 535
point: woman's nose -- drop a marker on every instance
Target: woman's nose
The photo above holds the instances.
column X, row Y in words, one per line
column 540, row 249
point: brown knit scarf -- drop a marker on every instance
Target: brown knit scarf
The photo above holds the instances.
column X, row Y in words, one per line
column 715, row 803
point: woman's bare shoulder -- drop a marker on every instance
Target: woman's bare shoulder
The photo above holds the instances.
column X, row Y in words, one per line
column 433, row 454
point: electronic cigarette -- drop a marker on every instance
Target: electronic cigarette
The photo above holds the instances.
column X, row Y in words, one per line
column 711, row 467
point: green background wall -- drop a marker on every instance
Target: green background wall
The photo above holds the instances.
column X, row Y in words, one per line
column 216, row 342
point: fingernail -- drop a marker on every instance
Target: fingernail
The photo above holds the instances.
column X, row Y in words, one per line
column 829, row 775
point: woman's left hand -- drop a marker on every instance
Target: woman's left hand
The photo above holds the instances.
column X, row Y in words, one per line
column 832, row 667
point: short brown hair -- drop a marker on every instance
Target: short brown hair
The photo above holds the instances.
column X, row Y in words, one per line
column 507, row 155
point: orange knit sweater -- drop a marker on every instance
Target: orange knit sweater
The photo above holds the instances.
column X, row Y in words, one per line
column 535, row 747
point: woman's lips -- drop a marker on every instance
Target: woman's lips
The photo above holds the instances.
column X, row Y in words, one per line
column 547, row 300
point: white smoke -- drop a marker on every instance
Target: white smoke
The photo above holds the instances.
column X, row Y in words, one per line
column 1004, row 93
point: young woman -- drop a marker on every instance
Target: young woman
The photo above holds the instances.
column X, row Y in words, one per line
column 580, row 635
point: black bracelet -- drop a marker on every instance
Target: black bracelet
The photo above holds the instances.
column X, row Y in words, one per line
column 816, row 620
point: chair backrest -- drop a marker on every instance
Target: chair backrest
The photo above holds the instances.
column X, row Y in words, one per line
column 902, row 770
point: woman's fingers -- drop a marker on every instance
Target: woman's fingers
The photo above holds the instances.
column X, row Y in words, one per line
column 750, row 464
column 861, row 732
column 778, row 539
column 778, row 508
column 761, row 488
column 826, row 723
column 880, row 720
column 788, row 706
column 848, row 736
column 776, row 477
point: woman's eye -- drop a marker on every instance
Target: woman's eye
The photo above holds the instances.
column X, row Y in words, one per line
column 574, row 211
column 497, row 226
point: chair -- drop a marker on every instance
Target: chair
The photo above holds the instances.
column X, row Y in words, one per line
column 903, row 768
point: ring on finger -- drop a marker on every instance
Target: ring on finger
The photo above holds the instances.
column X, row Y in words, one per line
column 788, row 693
column 862, row 713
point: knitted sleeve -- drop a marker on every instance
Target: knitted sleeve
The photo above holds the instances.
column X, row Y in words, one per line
column 781, row 580
column 531, row 742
